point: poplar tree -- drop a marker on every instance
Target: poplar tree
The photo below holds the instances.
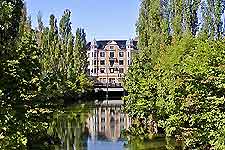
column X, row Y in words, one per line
column 80, row 51
column 177, row 77
column 140, row 81
column 64, row 57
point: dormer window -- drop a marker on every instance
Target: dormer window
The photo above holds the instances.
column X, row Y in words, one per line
column 94, row 46
column 111, row 47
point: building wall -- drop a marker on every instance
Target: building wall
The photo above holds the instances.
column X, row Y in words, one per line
column 109, row 71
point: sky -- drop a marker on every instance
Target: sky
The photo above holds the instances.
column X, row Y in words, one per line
column 101, row 19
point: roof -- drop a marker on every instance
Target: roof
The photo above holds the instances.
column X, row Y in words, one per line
column 121, row 43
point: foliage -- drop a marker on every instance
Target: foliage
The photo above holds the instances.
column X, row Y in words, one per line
column 19, row 86
column 158, row 143
column 70, row 126
column 63, row 58
column 36, row 67
column 177, row 79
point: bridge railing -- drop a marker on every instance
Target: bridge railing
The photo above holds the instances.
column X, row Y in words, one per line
column 100, row 84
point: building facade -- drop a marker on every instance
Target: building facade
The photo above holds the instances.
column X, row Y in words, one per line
column 109, row 60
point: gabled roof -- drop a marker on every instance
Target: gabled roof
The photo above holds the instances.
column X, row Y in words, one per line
column 121, row 43
column 112, row 43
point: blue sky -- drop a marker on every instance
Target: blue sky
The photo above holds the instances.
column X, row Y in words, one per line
column 102, row 19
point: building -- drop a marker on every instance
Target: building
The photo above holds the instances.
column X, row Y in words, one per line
column 110, row 59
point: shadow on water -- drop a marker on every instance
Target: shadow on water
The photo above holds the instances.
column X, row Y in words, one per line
column 99, row 126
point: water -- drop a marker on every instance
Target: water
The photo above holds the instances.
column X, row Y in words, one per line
column 97, row 127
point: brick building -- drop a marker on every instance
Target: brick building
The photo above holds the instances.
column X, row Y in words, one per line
column 110, row 59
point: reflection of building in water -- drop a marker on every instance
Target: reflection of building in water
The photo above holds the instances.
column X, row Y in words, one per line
column 107, row 122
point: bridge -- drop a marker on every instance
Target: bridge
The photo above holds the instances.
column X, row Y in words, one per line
column 111, row 87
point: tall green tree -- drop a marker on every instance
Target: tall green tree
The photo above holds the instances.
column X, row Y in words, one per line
column 19, row 81
column 64, row 58
column 80, row 51
column 175, row 81
column 140, row 81
column 34, row 69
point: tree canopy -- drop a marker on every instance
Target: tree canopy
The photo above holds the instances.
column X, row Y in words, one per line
column 177, row 80
column 38, row 67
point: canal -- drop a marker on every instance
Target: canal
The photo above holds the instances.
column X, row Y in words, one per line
column 98, row 126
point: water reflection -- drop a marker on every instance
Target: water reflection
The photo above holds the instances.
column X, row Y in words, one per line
column 71, row 128
column 97, row 127
column 90, row 126
column 107, row 122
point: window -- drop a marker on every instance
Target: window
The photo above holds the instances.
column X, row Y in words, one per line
column 95, row 62
column 111, row 70
column 111, row 47
column 95, row 54
column 102, row 54
column 92, row 54
column 112, row 62
column 102, row 62
column 112, row 80
column 128, row 54
column 95, row 70
column 88, row 55
column 120, row 62
column 128, row 62
column 111, row 54
column 121, row 70
column 94, row 46
column 121, row 54
column 102, row 70
column 116, row 69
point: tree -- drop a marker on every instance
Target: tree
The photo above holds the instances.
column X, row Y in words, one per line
column 177, row 78
column 140, row 81
column 19, row 81
column 34, row 71
column 80, row 51
column 64, row 59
